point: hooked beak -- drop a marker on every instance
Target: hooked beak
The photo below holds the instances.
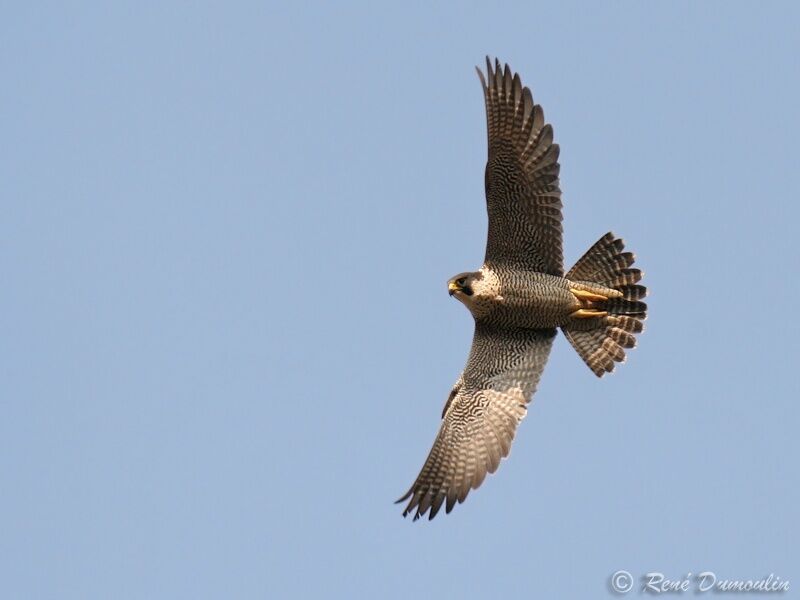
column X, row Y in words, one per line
column 452, row 287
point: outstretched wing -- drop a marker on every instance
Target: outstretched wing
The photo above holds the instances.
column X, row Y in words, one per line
column 481, row 415
column 523, row 197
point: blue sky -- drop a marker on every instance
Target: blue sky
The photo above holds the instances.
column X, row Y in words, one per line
column 226, row 338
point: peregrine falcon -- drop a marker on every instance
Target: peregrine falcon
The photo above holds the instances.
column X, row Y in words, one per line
column 519, row 298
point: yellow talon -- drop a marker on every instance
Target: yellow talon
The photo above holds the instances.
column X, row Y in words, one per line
column 588, row 313
column 588, row 296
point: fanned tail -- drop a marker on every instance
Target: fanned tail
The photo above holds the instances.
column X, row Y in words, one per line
column 608, row 288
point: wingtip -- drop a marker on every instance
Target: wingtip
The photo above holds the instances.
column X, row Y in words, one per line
column 481, row 77
column 405, row 496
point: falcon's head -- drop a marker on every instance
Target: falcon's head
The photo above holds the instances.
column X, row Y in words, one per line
column 462, row 285
column 478, row 291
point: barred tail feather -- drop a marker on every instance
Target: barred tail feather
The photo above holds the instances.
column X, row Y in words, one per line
column 601, row 341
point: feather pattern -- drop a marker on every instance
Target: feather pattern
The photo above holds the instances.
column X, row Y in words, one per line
column 480, row 421
column 601, row 342
column 523, row 198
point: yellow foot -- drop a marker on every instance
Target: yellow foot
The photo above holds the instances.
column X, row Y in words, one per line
column 588, row 313
column 588, row 296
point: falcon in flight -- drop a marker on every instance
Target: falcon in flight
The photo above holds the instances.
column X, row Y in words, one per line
column 519, row 298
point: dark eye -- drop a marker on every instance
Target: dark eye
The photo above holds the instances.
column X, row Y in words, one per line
column 461, row 281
